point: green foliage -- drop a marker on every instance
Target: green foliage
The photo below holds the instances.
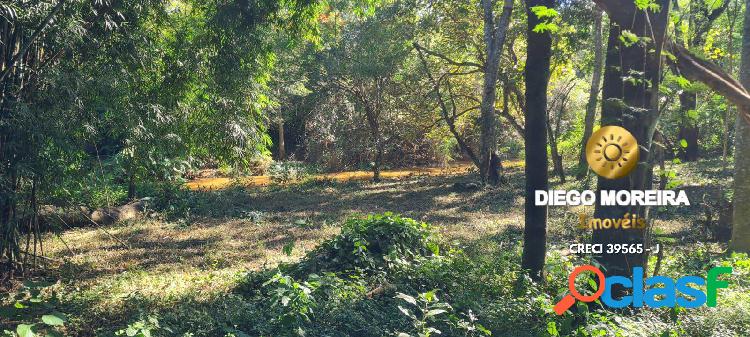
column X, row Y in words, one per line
column 649, row 5
column 288, row 172
column 428, row 308
column 546, row 15
column 292, row 300
column 39, row 314
column 373, row 243
column 144, row 327
column 628, row 38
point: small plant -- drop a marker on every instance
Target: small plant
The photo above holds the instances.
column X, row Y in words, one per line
column 292, row 301
column 29, row 302
column 423, row 310
column 287, row 172
column 143, row 328
column 48, row 325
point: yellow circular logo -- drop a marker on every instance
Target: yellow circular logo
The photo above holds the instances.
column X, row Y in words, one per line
column 612, row 152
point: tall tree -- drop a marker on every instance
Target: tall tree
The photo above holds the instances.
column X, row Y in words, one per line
column 596, row 80
column 630, row 99
column 536, row 74
column 366, row 71
column 741, row 217
column 495, row 31
column 702, row 15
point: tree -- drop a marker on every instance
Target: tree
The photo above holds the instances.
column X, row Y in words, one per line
column 556, row 111
column 366, row 71
column 596, row 80
column 495, row 32
column 536, row 74
column 127, row 91
column 630, row 99
column 637, row 110
column 741, row 217
column 701, row 18
column 463, row 64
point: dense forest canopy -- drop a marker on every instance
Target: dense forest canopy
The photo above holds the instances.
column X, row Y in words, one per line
column 108, row 103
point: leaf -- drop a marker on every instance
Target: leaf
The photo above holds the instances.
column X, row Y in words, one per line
column 131, row 331
column 435, row 312
column 546, row 27
column 628, row 38
column 25, row 330
column 647, row 5
column 552, row 329
column 544, row 12
column 407, row 298
column 683, row 143
column 406, row 312
column 713, row 4
column 54, row 319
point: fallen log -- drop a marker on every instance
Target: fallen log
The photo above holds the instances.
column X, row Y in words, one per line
column 51, row 216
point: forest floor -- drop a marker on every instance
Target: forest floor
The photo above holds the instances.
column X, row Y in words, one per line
column 217, row 183
column 190, row 264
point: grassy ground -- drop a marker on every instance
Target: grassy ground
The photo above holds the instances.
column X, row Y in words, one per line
column 186, row 268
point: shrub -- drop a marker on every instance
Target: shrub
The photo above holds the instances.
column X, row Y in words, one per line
column 259, row 165
column 375, row 242
column 289, row 171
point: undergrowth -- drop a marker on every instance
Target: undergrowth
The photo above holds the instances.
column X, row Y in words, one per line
column 388, row 275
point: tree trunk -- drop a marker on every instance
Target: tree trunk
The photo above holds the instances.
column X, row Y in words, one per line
column 372, row 121
column 733, row 15
column 690, row 149
column 596, row 80
column 131, row 185
column 282, row 147
column 557, row 159
column 633, row 105
column 688, row 127
column 741, row 217
column 495, row 30
column 537, row 73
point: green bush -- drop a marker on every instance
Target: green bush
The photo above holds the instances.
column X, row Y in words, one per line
column 260, row 165
column 376, row 242
column 288, row 171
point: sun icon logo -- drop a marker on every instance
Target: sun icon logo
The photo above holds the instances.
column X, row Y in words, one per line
column 612, row 152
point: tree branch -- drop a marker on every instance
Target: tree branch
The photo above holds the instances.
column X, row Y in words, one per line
column 446, row 58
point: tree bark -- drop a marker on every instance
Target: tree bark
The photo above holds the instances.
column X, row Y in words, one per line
column 596, row 80
column 689, row 150
column 632, row 104
column 282, row 146
column 537, row 73
column 495, row 31
column 741, row 217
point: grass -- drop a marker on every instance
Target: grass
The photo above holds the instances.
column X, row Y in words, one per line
column 187, row 269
